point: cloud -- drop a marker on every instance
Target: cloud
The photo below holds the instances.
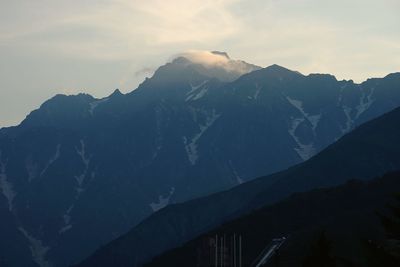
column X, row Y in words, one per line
column 218, row 60
column 146, row 71
column 101, row 44
column 205, row 58
column 117, row 29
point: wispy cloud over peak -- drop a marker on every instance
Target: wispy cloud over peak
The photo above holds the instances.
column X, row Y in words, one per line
column 216, row 60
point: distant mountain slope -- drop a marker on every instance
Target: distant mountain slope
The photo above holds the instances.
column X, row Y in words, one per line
column 347, row 213
column 79, row 171
column 370, row 150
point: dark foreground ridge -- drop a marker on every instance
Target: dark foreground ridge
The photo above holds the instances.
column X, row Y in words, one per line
column 347, row 214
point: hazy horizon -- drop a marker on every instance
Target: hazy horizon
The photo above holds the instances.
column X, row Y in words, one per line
column 50, row 47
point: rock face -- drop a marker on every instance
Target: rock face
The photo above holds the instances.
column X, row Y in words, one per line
column 80, row 171
column 368, row 151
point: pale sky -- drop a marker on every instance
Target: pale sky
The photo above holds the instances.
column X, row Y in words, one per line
column 94, row 46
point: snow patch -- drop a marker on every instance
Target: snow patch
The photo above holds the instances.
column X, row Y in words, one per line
column 195, row 87
column 305, row 151
column 95, row 104
column 5, row 185
column 85, row 160
column 65, row 228
column 38, row 249
column 365, row 103
column 313, row 119
column 239, row 180
column 67, row 220
column 193, row 94
column 162, row 201
column 51, row 160
column 257, row 92
column 202, row 93
column 31, row 168
column 297, row 104
column 191, row 145
column 349, row 120
column 79, row 189
column 340, row 98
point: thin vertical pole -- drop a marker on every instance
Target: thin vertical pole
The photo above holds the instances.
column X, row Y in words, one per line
column 240, row 251
column 222, row 242
column 216, row 250
column 234, row 250
column 223, row 253
column 231, row 252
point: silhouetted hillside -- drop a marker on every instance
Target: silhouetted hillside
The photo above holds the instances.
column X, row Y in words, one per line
column 347, row 213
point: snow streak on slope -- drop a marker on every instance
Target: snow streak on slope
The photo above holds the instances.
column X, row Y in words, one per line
column 257, row 92
column 79, row 179
column 95, row 104
column 365, row 103
column 5, row 185
column 200, row 94
column 313, row 119
column 31, row 168
column 85, row 160
column 67, row 220
column 52, row 160
column 349, row 120
column 305, row 151
column 38, row 249
column 162, row 201
column 191, row 145
column 194, row 94
column 239, row 180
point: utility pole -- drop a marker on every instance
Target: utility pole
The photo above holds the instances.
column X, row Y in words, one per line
column 240, row 251
column 224, row 252
column 222, row 248
column 234, row 249
column 216, row 250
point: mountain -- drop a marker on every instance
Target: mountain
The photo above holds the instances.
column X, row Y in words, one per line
column 216, row 64
column 368, row 151
column 80, row 171
column 347, row 214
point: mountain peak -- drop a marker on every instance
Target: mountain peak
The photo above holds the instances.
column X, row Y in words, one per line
column 394, row 75
column 277, row 68
column 272, row 73
column 211, row 64
column 279, row 71
column 181, row 60
column 116, row 92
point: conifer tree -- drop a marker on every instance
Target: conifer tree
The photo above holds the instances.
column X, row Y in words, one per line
column 320, row 254
column 388, row 252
